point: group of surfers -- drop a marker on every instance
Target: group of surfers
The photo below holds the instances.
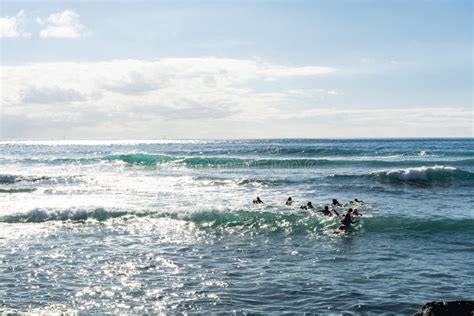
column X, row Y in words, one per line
column 346, row 219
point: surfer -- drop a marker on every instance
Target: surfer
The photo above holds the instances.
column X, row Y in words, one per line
column 357, row 202
column 335, row 203
column 289, row 201
column 355, row 212
column 326, row 211
column 347, row 221
column 308, row 206
column 257, row 201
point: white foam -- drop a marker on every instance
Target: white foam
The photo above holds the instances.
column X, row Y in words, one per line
column 419, row 173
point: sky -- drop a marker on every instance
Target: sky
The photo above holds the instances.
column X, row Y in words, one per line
column 236, row 69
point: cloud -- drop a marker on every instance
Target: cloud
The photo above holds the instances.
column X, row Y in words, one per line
column 51, row 95
column 199, row 98
column 11, row 26
column 63, row 24
column 135, row 83
column 119, row 95
column 282, row 71
column 190, row 111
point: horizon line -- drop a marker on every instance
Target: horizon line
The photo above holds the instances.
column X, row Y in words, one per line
column 223, row 139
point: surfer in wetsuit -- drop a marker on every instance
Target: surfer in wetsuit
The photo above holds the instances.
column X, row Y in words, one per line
column 347, row 221
column 308, row 206
column 326, row 211
column 335, row 203
column 355, row 212
column 289, row 201
column 257, row 201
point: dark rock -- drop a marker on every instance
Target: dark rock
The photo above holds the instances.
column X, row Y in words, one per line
column 454, row 308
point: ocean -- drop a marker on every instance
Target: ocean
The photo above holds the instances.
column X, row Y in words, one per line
column 168, row 226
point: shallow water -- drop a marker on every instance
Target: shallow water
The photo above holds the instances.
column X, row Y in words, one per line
column 160, row 226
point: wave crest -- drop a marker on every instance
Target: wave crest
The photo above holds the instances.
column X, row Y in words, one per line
column 262, row 222
column 139, row 159
column 435, row 174
column 42, row 215
column 268, row 163
column 259, row 222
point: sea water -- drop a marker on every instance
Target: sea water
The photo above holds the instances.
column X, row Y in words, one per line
column 169, row 226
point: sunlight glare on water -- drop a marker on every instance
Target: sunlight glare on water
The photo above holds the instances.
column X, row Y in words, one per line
column 114, row 227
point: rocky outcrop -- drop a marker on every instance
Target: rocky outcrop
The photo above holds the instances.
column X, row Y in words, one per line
column 454, row 308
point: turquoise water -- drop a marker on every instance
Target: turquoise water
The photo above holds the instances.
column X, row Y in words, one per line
column 169, row 226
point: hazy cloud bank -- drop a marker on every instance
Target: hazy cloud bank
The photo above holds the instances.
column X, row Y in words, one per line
column 198, row 97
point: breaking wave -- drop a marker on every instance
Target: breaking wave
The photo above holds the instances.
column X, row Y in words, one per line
column 257, row 222
column 280, row 159
column 435, row 174
column 229, row 162
column 416, row 176
column 46, row 215
column 140, row 159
